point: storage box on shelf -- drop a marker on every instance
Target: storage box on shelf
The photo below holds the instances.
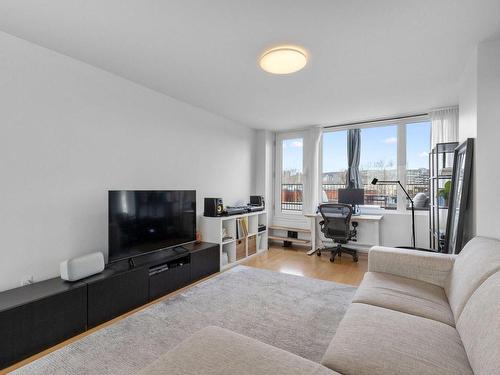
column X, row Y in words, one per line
column 252, row 244
column 238, row 236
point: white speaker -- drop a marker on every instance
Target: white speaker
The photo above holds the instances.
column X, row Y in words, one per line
column 81, row 267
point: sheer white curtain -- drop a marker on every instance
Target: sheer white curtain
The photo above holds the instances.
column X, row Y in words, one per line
column 312, row 163
column 444, row 125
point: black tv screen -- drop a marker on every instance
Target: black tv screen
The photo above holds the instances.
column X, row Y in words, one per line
column 142, row 221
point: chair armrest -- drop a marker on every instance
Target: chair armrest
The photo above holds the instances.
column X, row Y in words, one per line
column 412, row 264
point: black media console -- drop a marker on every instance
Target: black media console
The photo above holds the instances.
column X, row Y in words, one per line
column 38, row 316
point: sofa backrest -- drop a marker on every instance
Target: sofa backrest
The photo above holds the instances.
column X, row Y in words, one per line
column 477, row 261
column 479, row 327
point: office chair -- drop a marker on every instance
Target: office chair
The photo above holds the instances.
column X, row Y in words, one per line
column 336, row 225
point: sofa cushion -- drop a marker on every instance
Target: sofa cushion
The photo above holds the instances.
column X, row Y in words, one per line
column 479, row 327
column 372, row 340
column 477, row 261
column 216, row 350
column 406, row 295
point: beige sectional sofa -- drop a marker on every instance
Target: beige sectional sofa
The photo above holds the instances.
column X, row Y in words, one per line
column 414, row 313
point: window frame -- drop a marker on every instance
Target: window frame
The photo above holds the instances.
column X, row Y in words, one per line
column 280, row 137
column 401, row 151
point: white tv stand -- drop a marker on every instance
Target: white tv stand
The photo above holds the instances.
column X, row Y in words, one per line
column 233, row 249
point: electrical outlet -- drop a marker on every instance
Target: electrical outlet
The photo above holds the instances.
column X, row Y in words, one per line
column 27, row 280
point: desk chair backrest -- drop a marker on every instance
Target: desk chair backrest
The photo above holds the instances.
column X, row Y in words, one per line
column 336, row 223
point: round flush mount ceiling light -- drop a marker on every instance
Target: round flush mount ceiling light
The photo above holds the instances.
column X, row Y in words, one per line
column 283, row 60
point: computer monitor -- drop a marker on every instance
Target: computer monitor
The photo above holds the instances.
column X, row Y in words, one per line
column 354, row 197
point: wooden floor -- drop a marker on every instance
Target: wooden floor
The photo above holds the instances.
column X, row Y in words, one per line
column 293, row 261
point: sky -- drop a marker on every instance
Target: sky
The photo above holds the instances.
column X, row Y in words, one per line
column 418, row 145
column 377, row 144
column 292, row 154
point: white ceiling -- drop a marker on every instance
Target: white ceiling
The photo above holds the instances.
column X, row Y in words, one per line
column 369, row 58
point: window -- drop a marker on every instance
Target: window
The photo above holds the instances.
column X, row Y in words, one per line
column 418, row 144
column 379, row 154
column 385, row 154
column 334, row 164
column 378, row 159
column 292, row 179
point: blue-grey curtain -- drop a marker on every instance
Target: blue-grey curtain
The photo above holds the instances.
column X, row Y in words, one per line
column 353, row 180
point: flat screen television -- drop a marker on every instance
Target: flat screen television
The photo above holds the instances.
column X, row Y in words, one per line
column 144, row 221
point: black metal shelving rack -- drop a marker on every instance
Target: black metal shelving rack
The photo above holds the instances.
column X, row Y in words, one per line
column 440, row 171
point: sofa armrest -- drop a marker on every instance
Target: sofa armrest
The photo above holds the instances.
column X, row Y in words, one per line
column 412, row 264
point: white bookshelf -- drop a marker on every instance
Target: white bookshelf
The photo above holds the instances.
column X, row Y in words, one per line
column 232, row 249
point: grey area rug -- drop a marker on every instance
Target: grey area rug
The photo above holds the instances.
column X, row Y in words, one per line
column 294, row 313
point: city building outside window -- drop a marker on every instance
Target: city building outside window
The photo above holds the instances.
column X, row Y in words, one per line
column 395, row 150
column 380, row 147
column 379, row 159
column 418, row 144
column 334, row 174
column 292, row 178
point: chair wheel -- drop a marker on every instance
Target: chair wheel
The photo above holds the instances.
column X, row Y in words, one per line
column 355, row 258
column 318, row 253
column 332, row 259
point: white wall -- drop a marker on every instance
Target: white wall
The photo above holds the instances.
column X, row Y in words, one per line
column 480, row 117
column 488, row 139
column 468, row 100
column 69, row 132
column 264, row 167
column 468, row 129
column 395, row 229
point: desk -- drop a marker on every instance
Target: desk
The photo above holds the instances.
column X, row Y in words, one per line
column 371, row 221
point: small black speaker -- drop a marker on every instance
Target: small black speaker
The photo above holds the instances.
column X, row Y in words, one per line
column 213, row 207
column 257, row 200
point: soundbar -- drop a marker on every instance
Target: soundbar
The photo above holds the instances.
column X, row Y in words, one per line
column 252, row 208
column 242, row 209
column 236, row 210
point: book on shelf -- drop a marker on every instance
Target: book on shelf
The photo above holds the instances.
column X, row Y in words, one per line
column 241, row 228
column 244, row 223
